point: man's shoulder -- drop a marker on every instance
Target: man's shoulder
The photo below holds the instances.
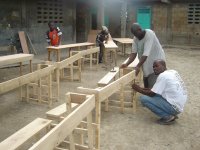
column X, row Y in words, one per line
column 168, row 73
column 150, row 32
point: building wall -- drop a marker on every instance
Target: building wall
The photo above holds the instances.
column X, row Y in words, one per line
column 169, row 21
column 27, row 18
column 182, row 31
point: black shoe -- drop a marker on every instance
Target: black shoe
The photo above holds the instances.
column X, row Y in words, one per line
column 100, row 62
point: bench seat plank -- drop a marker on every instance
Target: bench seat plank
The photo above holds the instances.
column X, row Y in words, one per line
column 59, row 111
column 108, row 77
column 21, row 136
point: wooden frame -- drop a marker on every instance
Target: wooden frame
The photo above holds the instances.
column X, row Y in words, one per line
column 39, row 86
column 16, row 58
column 57, row 49
column 91, row 52
column 27, row 79
column 65, row 128
column 65, row 63
column 101, row 94
column 123, row 42
column 110, row 47
column 19, row 138
column 110, row 76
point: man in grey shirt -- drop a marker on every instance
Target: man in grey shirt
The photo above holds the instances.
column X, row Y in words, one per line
column 148, row 49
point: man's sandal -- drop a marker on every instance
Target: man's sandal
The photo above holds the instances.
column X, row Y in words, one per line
column 167, row 120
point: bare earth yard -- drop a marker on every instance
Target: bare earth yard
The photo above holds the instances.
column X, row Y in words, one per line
column 126, row 131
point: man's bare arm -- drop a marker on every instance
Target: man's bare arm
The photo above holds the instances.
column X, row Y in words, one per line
column 130, row 60
column 144, row 91
column 141, row 62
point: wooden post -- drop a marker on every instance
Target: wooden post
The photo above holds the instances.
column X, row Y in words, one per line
column 98, row 121
column 90, row 131
column 122, row 97
column 50, row 89
column 69, row 109
column 58, row 83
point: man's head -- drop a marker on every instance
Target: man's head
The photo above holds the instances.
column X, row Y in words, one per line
column 51, row 25
column 104, row 30
column 159, row 66
column 137, row 31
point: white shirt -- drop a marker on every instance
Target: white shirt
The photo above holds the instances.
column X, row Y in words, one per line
column 171, row 87
column 149, row 46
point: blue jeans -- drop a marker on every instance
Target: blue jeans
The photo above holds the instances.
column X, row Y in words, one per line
column 158, row 105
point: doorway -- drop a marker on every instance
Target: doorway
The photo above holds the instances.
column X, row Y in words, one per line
column 144, row 17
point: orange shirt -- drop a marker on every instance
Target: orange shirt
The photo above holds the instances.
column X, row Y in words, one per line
column 54, row 37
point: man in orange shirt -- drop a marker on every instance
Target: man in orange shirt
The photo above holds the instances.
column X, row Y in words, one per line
column 53, row 36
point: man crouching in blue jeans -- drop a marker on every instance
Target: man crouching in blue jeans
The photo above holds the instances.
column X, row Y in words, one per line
column 168, row 95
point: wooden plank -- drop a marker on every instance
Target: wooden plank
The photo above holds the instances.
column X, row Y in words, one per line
column 113, row 87
column 23, row 42
column 110, row 44
column 133, row 64
column 16, row 58
column 58, row 134
column 92, row 36
column 108, row 77
column 69, row 60
column 124, row 40
column 25, row 79
column 89, row 51
column 77, row 98
column 79, row 146
column 20, row 137
column 31, row 44
column 70, row 45
column 59, row 111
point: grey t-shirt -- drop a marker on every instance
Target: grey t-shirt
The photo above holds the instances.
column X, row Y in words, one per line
column 149, row 46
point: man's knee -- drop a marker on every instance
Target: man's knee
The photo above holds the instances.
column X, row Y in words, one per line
column 144, row 99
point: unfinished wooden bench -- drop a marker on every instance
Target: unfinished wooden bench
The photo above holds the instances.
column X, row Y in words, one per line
column 110, row 76
column 25, row 134
column 138, row 79
column 62, row 135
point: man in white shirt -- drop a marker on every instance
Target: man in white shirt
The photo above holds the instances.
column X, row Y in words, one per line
column 148, row 48
column 168, row 95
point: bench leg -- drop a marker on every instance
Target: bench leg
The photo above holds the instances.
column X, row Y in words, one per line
column 122, row 98
column 106, row 104
column 134, row 100
column 71, row 139
column 90, row 131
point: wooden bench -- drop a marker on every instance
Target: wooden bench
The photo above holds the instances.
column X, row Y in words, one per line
column 62, row 136
column 110, row 76
column 138, row 79
column 59, row 112
column 22, row 136
column 41, row 90
column 110, row 51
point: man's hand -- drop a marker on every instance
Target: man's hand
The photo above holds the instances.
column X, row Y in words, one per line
column 137, row 70
column 135, row 87
column 123, row 66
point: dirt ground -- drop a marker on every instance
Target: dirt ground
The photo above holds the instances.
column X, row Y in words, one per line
column 126, row 131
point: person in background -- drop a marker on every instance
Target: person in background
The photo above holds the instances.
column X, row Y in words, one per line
column 102, row 37
column 148, row 48
column 168, row 95
column 53, row 35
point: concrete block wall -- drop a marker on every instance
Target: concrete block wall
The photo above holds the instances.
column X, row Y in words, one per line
column 25, row 19
column 169, row 21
